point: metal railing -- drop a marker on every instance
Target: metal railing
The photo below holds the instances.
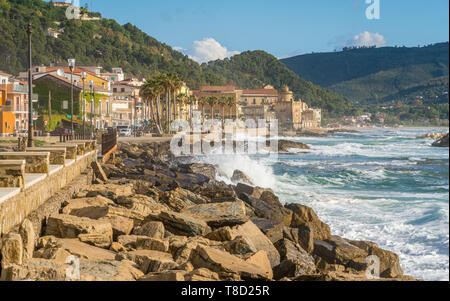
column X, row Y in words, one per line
column 109, row 141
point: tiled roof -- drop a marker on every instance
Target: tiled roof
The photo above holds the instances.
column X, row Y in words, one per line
column 218, row 88
column 261, row 92
column 3, row 73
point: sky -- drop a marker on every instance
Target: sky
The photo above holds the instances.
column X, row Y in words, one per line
column 214, row 29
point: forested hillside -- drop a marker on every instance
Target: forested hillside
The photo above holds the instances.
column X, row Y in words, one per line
column 374, row 75
column 109, row 44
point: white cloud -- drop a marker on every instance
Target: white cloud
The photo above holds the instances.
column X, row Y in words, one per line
column 368, row 39
column 207, row 50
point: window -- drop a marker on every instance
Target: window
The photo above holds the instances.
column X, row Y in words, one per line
column 254, row 101
column 122, row 90
column 114, row 90
column 99, row 107
column 107, row 108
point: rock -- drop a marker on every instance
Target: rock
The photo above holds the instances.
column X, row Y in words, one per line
column 285, row 145
column 98, row 240
column 117, row 247
column 98, row 171
column 434, row 136
column 28, row 238
column 207, row 170
column 180, row 198
column 222, row 234
column 68, row 226
column 389, row 261
column 443, row 142
column 151, row 229
column 218, row 215
column 240, row 246
column 294, row 260
column 110, row 191
column 305, row 216
column 267, row 210
column 217, row 192
column 12, row 250
column 241, row 177
column 201, row 274
column 181, row 224
column 260, row 259
column 164, row 276
column 224, row 263
column 152, row 261
column 108, row 271
column 259, row 241
column 129, row 241
column 337, row 250
column 302, row 235
column 54, row 248
column 149, row 243
column 77, row 204
column 141, row 204
column 120, row 225
column 36, row 269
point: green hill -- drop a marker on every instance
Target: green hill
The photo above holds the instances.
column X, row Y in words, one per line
column 252, row 69
column 368, row 75
column 109, row 44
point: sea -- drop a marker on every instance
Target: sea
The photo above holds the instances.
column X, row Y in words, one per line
column 380, row 185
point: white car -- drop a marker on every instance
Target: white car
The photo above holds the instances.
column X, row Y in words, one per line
column 124, row 131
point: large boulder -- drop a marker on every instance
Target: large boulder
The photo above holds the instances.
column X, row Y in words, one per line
column 261, row 243
column 120, row 225
column 224, row 263
column 151, row 229
column 389, row 261
column 152, row 261
column 305, row 216
column 180, row 198
column 12, row 251
column 182, row 224
column 241, row 177
column 294, row 260
column 68, row 226
column 207, row 170
column 77, row 204
column 28, row 238
column 110, row 191
column 443, row 142
column 337, row 250
column 53, row 248
column 269, row 210
column 218, row 215
column 285, row 145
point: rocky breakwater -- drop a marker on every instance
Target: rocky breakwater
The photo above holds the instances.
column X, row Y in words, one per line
column 154, row 219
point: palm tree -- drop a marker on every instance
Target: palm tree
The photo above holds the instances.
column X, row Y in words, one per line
column 175, row 85
column 230, row 103
column 212, row 100
column 190, row 100
column 150, row 91
column 203, row 100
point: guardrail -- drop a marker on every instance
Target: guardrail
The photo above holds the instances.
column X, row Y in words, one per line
column 109, row 141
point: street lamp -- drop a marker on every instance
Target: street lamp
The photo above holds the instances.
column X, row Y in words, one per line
column 71, row 67
column 135, row 113
column 30, row 90
column 91, row 85
column 83, row 78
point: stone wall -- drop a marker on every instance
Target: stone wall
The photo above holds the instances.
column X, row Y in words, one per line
column 15, row 209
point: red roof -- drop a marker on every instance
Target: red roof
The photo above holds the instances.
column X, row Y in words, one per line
column 3, row 73
column 261, row 92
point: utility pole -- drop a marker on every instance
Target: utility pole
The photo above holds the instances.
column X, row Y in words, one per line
column 49, row 106
column 30, row 89
column 83, row 77
column 71, row 66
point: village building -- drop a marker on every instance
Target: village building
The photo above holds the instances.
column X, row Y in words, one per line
column 13, row 105
column 226, row 102
column 126, row 105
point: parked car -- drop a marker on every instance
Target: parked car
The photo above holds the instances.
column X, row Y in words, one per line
column 59, row 132
column 124, row 131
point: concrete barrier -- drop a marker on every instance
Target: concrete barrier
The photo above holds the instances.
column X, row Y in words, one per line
column 12, row 173
column 71, row 149
column 36, row 162
column 57, row 155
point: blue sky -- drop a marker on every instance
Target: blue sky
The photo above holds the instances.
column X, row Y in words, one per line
column 281, row 27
